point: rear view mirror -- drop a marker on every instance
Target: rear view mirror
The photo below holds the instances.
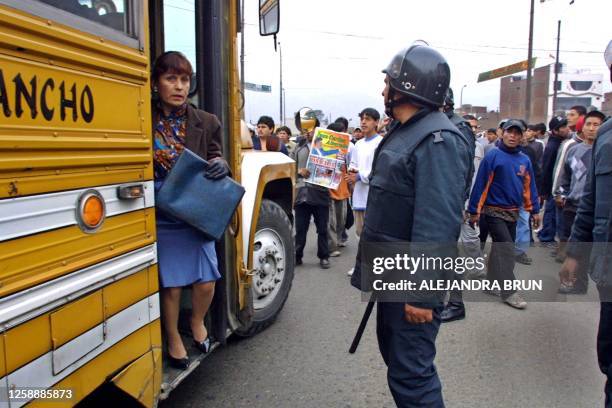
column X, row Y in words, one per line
column 269, row 17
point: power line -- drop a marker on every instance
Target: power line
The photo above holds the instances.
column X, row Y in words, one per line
column 500, row 53
column 535, row 49
column 368, row 37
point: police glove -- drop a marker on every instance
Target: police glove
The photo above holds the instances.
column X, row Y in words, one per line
column 217, row 169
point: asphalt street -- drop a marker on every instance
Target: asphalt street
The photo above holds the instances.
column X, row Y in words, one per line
column 543, row 356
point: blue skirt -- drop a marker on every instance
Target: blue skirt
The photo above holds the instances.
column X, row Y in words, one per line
column 184, row 255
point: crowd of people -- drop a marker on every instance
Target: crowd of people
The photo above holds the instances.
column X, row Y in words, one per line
column 423, row 174
column 514, row 173
column 552, row 163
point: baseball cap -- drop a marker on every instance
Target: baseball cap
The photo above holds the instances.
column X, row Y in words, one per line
column 514, row 123
column 556, row 122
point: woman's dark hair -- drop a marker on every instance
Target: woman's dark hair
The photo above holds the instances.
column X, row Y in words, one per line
column 170, row 61
column 284, row 129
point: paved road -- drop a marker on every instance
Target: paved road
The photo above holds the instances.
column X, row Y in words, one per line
column 541, row 357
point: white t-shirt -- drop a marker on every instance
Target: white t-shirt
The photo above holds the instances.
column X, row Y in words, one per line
column 361, row 159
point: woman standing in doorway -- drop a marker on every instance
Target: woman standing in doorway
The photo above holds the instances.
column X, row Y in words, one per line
column 186, row 257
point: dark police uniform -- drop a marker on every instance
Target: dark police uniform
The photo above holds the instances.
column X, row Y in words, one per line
column 417, row 194
column 591, row 240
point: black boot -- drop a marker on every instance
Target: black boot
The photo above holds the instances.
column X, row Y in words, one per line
column 453, row 311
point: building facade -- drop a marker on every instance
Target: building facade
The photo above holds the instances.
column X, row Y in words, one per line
column 574, row 87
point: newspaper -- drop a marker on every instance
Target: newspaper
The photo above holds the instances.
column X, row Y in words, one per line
column 327, row 158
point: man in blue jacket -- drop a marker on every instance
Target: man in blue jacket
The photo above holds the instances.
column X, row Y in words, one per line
column 591, row 237
column 505, row 183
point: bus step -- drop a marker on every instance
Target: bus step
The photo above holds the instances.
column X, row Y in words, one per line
column 172, row 377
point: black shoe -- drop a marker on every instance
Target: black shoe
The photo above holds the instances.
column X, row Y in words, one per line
column 523, row 259
column 324, row 263
column 180, row 363
column 204, row 346
column 298, row 261
column 453, row 311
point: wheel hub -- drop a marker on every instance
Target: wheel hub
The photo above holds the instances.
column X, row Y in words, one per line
column 269, row 265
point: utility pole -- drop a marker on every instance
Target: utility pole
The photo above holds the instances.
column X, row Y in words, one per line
column 284, row 106
column 529, row 67
column 554, row 101
column 280, row 88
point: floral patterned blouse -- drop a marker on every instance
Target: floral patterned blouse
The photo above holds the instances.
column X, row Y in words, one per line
column 168, row 140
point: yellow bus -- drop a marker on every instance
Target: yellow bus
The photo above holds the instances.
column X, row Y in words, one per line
column 79, row 307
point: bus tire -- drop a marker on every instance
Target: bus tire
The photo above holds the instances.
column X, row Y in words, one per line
column 272, row 277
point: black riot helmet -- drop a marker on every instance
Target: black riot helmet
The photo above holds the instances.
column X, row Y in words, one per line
column 421, row 74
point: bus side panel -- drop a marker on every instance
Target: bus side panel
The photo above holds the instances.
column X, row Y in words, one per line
column 129, row 320
column 75, row 114
column 93, row 374
column 31, row 260
column 76, row 108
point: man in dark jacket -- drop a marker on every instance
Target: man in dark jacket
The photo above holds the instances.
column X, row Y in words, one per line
column 537, row 149
column 417, row 192
column 591, row 237
column 311, row 201
column 558, row 133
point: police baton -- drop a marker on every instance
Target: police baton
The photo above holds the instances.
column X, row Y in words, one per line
column 364, row 322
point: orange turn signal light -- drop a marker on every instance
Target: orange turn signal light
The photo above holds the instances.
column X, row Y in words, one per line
column 91, row 211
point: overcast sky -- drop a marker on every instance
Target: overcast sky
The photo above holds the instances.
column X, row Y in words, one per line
column 334, row 50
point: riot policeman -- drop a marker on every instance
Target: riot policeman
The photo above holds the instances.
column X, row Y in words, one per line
column 417, row 194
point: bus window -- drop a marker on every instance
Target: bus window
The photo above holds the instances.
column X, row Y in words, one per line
column 180, row 33
column 110, row 13
column 117, row 20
